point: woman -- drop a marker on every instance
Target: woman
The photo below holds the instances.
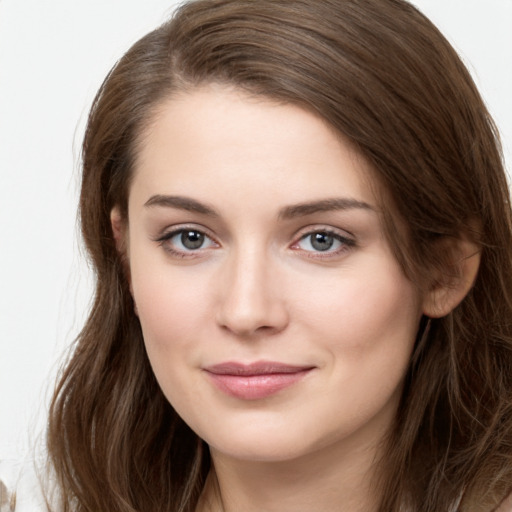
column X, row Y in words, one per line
column 300, row 224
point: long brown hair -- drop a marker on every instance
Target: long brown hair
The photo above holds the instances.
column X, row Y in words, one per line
column 383, row 76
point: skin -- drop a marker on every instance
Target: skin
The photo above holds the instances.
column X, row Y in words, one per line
column 258, row 289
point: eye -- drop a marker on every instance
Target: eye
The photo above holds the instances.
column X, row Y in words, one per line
column 319, row 242
column 184, row 241
column 189, row 239
column 323, row 241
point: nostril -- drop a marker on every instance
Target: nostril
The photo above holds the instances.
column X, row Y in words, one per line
column 252, row 322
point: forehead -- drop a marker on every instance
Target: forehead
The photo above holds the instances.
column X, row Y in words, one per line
column 199, row 140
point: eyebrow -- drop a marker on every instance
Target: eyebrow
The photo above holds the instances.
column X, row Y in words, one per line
column 325, row 205
column 181, row 203
column 286, row 213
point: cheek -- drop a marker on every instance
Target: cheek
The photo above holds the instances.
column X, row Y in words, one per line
column 364, row 305
column 172, row 305
column 366, row 325
column 388, row 309
column 172, row 312
column 367, row 321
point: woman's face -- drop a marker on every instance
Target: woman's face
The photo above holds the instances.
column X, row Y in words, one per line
column 276, row 319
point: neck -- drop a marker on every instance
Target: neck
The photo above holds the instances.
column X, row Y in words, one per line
column 332, row 480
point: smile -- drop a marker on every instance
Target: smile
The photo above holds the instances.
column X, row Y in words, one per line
column 255, row 381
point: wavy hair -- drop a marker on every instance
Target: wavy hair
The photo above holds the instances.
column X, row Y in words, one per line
column 385, row 78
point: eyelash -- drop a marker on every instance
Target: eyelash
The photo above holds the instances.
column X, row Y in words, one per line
column 345, row 243
column 165, row 239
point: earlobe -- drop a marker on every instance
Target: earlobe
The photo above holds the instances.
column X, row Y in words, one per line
column 455, row 280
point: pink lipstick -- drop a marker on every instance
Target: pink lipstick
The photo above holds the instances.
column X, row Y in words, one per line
column 256, row 380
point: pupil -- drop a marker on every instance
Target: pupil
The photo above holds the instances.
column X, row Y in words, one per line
column 322, row 241
column 192, row 239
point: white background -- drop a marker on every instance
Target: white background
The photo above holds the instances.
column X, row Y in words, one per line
column 53, row 57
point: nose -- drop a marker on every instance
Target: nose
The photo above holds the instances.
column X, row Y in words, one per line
column 251, row 300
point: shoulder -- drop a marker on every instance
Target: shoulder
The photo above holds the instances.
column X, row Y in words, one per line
column 20, row 488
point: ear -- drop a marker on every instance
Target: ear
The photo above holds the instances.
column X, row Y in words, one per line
column 119, row 230
column 454, row 281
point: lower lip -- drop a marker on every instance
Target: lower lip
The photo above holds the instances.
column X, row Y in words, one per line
column 255, row 387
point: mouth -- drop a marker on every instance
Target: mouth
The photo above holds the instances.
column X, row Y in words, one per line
column 256, row 380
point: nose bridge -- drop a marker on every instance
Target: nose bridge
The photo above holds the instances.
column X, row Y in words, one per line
column 250, row 300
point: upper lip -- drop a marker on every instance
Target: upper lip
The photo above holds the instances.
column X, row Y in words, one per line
column 256, row 368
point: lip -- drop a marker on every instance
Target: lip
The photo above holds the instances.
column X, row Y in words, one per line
column 257, row 380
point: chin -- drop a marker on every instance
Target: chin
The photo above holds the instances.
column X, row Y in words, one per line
column 264, row 444
column 260, row 450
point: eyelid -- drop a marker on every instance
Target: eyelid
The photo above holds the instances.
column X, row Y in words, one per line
column 323, row 228
column 170, row 232
column 346, row 238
